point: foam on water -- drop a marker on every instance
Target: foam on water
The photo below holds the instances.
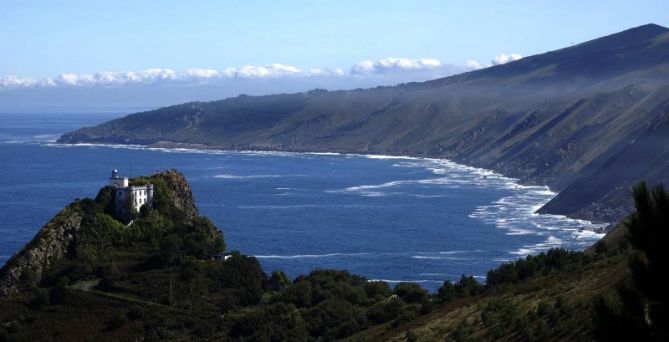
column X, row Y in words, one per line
column 513, row 214
column 438, row 257
column 309, row 256
column 395, row 281
column 225, row 176
column 516, row 214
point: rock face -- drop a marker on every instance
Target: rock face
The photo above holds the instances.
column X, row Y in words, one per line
column 48, row 246
column 52, row 242
column 183, row 196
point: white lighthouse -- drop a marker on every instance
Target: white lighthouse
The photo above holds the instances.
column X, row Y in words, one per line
column 141, row 194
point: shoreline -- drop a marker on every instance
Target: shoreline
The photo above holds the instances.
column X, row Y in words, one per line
column 171, row 147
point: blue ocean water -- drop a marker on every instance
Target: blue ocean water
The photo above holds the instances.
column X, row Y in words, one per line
column 390, row 218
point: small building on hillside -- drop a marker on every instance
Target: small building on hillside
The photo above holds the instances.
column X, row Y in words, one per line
column 123, row 192
column 222, row 256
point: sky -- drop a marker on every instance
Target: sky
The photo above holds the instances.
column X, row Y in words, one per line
column 221, row 48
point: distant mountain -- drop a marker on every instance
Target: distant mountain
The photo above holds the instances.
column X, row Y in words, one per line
column 588, row 120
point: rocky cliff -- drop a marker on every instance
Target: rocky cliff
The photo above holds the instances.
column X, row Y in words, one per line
column 58, row 238
column 48, row 246
column 182, row 196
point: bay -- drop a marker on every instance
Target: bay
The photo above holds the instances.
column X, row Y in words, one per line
column 383, row 217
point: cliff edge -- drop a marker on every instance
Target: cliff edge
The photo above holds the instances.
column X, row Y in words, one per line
column 49, row 245
column 86, row 232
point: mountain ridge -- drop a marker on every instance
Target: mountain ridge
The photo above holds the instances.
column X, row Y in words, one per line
column 564, row 118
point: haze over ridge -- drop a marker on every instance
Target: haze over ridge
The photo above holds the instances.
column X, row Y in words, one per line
column 571, row 118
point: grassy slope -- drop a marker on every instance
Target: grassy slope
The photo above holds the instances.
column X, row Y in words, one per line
column 578, row 289
column 90, row 314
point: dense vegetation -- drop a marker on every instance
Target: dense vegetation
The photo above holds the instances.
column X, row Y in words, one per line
column 159, row 263
column 555, row 260
column 639, row 310
column 155, row 279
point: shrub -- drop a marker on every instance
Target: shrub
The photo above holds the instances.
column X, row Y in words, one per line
column 135, row 312
column 465, row 287
column 411, row 293
column 411, row 336
column 278, row 281
column 118, row 320
column 40, row 298
column 59, row 292
column 377, row 290
column 555, row 259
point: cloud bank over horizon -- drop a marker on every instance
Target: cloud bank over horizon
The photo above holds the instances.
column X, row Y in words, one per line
column 196, row 76
column 163, row 86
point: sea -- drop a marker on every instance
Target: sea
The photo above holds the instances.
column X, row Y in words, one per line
column 386, row 218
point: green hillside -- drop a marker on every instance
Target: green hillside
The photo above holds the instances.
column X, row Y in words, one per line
column 88, row 276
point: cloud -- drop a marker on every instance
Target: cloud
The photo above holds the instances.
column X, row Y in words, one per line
column 500, row 59
column 154, row 76
column 473, row 64
column 12, row 81
column 503, row 58
column 387, row 67
column 395, row 64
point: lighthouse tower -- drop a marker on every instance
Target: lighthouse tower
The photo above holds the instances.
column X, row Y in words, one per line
column 118, row 182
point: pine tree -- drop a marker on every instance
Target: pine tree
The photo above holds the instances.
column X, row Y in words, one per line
column 638, row 311
column 649, row 236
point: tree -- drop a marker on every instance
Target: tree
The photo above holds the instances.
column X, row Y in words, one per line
column 170, row 248
column 649, row 236
column 465, row 287
column 279, row 281
column 639, row 308
column 411, row 293
column 105, row 200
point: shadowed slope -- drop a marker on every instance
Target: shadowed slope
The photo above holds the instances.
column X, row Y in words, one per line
column 555, row 118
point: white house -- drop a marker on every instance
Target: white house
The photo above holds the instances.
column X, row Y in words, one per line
column 141, row 194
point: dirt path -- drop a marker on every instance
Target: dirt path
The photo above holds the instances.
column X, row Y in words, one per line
column 89, row 286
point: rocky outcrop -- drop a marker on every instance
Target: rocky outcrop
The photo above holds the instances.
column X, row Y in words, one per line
column 26, row 268
column 182, row 194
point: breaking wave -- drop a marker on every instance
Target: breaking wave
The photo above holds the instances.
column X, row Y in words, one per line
column 225, row 176
column 393, row 281
column 309, row 256
column 514, row 214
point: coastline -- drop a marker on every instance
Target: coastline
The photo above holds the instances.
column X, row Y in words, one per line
column 171, row 147
column 254, row 148
column 494, row 181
